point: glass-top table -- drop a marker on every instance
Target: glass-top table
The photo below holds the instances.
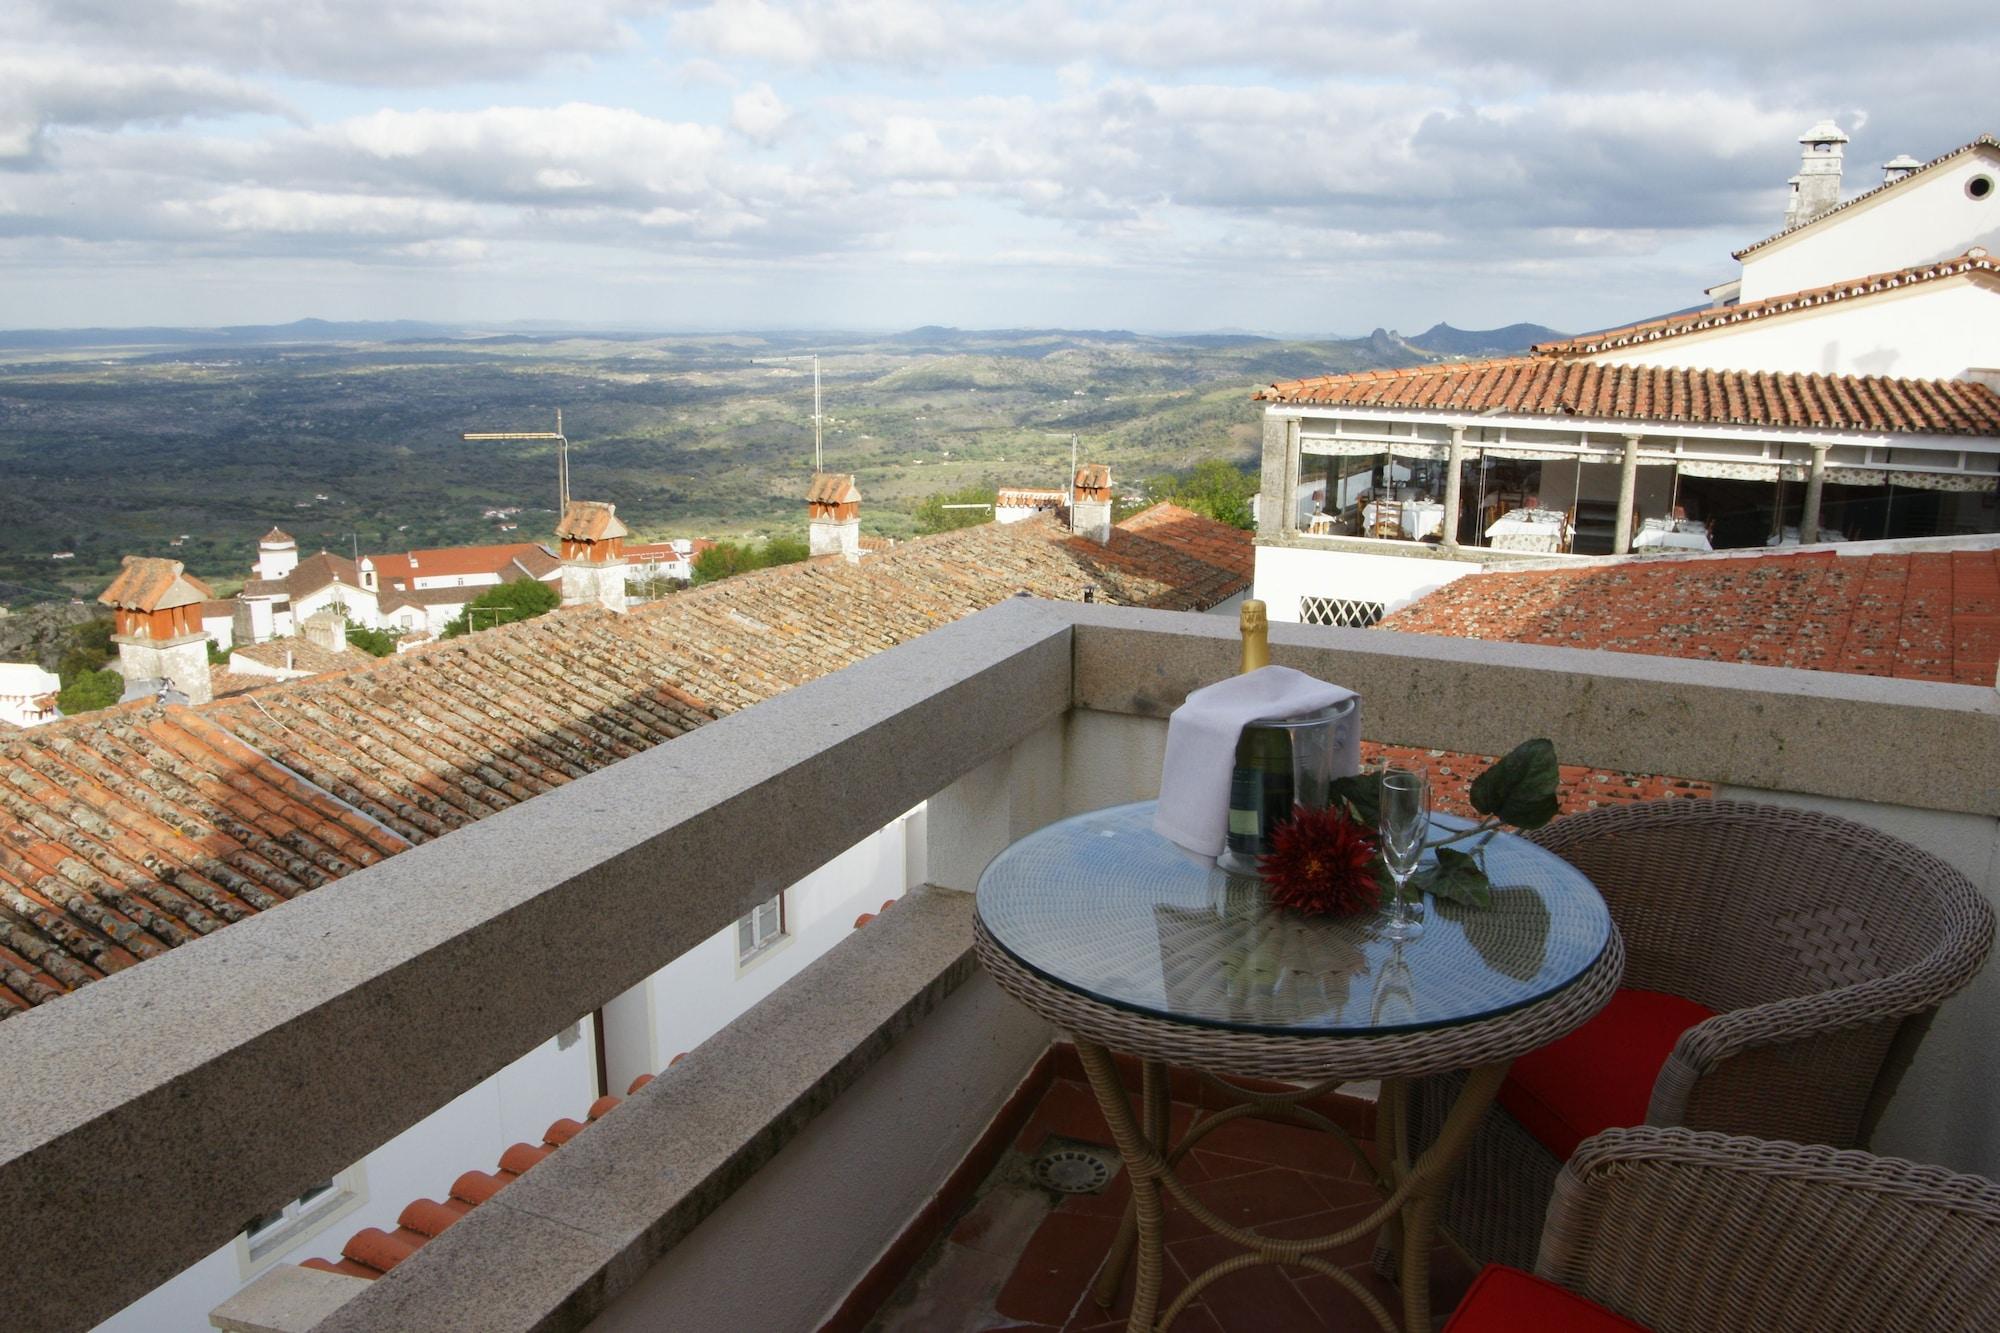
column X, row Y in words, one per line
column 1102, row 904
column 1131, row 946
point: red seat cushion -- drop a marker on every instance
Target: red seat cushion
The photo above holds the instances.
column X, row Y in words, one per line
column 1506, row 1300
column 1600, row 1075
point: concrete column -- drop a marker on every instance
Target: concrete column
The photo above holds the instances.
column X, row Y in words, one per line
column 1815, row 481
column 1628, row 485
column 1270, row 495
column 1290, row 518
column 1454, row 479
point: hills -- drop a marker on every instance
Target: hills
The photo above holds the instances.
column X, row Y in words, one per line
column 1513, row 340
column 348, row 435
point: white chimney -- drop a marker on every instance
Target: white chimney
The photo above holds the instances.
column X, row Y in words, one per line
column 277, row 555
column 1898, row 167
column 1090, row 506
column 833, row 516
column 325, row 628
column 1817, row 186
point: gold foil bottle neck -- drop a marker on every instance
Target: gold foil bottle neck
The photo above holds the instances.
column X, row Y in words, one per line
column 1256, row 637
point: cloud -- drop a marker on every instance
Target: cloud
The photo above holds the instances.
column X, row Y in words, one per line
column 758, row 114
column 44, row 90
column 409, row 43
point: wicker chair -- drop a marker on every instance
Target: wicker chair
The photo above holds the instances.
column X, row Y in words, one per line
column 1686, row 1232
column 1823, row 946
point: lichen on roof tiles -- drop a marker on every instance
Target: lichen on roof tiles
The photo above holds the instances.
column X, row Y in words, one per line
column 126, row 832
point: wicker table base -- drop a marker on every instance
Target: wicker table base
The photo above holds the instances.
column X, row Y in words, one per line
column 1412, row 1191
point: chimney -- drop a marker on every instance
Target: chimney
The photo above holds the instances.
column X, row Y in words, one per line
column 1090, row 509
column 591, row 543
column 325, row 629
column 156, row 623
column 1817, row 186
column 277, row 554
column 833, row 516
column 1898, row 167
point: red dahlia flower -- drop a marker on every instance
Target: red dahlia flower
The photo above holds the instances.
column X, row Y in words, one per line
column 1322, row 863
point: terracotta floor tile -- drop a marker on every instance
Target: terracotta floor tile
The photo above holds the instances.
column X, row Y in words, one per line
column 1259, row 1300
column 1337, row 1307
column 1056, row 1267
column 1275, row 1144
column 1250, row 1200
column 1003, row 1220
column 1197, row 1253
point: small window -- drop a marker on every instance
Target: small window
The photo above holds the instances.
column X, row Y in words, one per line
column 1340, row 612
column 1979, row 187
column 298, row 1220
column 761, row 929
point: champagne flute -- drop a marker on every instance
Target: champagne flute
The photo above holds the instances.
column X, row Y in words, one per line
column 1405, row 818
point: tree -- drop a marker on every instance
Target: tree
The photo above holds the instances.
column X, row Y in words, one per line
column 89, row 650
column 1214, row 487
column 726, row 558
column 523, row 599
column 374, row 642
column 785, row 550
column 90, row 691
column 933, row 516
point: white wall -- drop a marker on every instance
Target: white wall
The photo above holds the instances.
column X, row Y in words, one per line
column 361, row 606
column 516, row 1105
column 1285, row 574
column 1938, row 330
column 1930, row 218
column 701, row 992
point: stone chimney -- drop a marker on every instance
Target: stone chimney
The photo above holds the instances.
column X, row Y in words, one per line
column 1898, row 167
column 156, row 623
column 277, row 554
column 592, row 548
column 833, row 516
column 1090, row 511
column 327, row 629
column 1817, row 186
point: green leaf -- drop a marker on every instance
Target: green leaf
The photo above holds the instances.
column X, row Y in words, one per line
column 1520, row 788
column 1363, row 794
column 1455, row 878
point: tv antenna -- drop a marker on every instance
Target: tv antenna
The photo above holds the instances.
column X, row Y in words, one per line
column 818, row 417
column 562, row 452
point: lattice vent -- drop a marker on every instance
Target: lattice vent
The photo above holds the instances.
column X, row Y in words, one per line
column 1340, row 612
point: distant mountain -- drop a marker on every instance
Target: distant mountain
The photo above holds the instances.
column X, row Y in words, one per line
column 1514, row 340
column 237, row 335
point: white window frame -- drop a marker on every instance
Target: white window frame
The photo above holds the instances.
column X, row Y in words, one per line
column 301, row 1219
column 761, row 931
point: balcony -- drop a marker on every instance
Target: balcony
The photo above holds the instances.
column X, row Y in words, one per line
column 793, row 1169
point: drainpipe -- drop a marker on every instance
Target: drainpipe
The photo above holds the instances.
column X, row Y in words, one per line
column 1454, row 485
column 1628, row 482
column 1815, row 479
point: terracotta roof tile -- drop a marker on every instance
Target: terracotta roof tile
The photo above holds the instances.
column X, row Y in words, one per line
column 832, row 488
column 148, row 583
column 590, row 521
column 465, row 561
column 1547, row 386
column 1974, row 261
column 126, row 832
column 1922, row 616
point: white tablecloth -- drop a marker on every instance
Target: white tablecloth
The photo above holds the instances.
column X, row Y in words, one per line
column 1527, row 530
column 1421, row 518
column 1683, row 534
column 1790, row 537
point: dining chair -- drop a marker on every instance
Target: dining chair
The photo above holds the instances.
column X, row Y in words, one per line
column 1679, row 1231
column 1782, row 967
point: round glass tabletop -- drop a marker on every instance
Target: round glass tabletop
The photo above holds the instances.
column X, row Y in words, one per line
column 1102, row 904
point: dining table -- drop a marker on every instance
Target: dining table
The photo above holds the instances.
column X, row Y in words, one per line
column 1417, row 519
column 1541, row 530
column 1686, row 534
column 1134, row 947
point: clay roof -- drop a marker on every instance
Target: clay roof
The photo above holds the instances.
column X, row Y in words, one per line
column 317, row 571
column 1984, row 141
column 305, row 655
column 148, row 583
column 832, row 488
column 590, row 521
column 276, row 537
column 1975, row 260
column 1545, row 386
column 218, row 608
column 1093, row 477
column 1028, row 497
column 1922, row 616
column 461, row 561
column 371, row 1251
column 127, row 831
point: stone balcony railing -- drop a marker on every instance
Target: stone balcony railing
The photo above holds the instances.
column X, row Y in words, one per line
column 144, row 1118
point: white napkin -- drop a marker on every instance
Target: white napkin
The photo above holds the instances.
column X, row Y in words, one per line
column 1201, row 747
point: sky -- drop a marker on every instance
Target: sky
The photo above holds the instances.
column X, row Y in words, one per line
column 1173, row 165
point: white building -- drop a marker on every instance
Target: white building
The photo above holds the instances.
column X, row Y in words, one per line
column 1842, row 388
column 27, row 694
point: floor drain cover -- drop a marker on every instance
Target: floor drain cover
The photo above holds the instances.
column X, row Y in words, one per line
column 1072, row 1171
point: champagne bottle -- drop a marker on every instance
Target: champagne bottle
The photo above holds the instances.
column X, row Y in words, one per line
column 1260, row 783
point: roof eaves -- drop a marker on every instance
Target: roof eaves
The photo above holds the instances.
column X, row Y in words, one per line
column 1983, row 141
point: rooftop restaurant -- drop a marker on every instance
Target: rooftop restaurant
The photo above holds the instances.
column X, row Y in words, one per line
column 895, row 1139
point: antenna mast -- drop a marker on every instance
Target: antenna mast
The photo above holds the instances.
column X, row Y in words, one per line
column 562, row 452
column 816, row 414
